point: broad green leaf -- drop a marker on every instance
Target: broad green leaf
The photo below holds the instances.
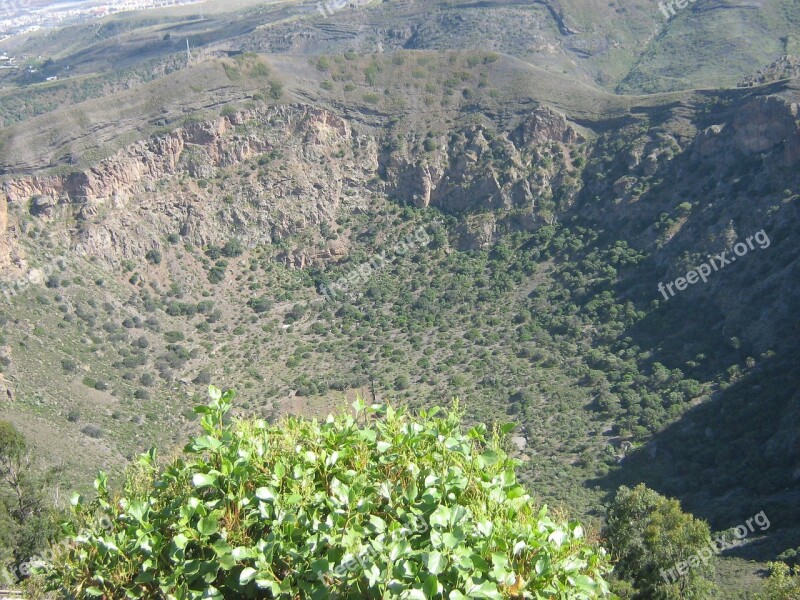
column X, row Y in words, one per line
column 247, row 575
column 431, row 586
column 207, row 526
column 440, row 517
column 436, row 563
column 485, row 590
column 242, row 553
column 203, row 479
column 557, row 537
column 490, row 457
column 516, row 492
column 206, row 442
column 585, row 583
column 265, row 493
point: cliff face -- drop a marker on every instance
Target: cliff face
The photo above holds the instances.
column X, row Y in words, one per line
column 763, row 125
column 203, row 181
column 682, row 199
column 478, row 168
column 264, row 175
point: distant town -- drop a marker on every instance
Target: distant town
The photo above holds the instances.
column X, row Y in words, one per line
column 17, row 16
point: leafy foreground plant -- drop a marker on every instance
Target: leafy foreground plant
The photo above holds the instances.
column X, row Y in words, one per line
column 380, row 505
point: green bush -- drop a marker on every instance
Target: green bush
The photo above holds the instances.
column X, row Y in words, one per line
column 372, row 98
column 233, row 248
column 379, row 505
column 154, row 257
column 260, row 305
column 275, row 90
column 650, row 538
column 783, row 583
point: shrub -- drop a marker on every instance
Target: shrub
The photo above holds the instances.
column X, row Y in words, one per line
column 202, row 378
column 275, row 90
column 783, row 583
column 172, row 337
column 93, row 431
column 216, row 274
column 379, row 505
column 233, row 248
column 402, row 383
column 260, row 305
column 371, row 74
column 154, row 257
column 791, row 557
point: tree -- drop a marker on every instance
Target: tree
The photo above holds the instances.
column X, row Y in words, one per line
column 233, row 248
column 154, row 257
column 783, row 583
column 25, row 519
column 15, row 463
column 665, row 553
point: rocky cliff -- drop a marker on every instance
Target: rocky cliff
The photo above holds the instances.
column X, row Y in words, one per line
column 182, row 182
column 263, row 175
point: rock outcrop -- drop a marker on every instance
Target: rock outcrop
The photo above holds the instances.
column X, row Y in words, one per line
column 179, row 182
column 478, row 169
column 299, row 165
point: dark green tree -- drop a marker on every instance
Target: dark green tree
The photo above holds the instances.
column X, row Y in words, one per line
column 26, row 517
column 663, row 552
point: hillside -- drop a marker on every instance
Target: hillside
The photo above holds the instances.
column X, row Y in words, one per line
column 364, row 203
